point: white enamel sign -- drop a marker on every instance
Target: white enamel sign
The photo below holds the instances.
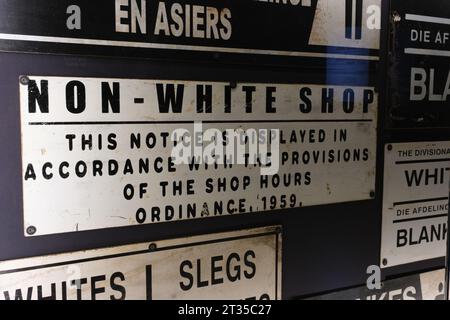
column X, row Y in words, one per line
column 415, row 202
column 98, row 153
column 233, row 265
column 422, row 286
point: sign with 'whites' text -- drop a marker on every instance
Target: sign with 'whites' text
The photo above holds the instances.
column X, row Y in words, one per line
column 233, row 265
column 415, row 202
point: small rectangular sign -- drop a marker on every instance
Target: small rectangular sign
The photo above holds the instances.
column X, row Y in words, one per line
column 101, row 153
column 423, row 286
column 415, row 202
column 420, row 72
column 232, row 265
column 138, row 28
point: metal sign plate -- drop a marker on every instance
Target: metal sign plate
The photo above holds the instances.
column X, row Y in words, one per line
column 420, row 73
column 423, row 286
column 415, row 202
column 137, row 28
column 97, row 153
column 233, row 265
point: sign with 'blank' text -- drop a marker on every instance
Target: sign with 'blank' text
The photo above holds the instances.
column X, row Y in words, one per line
column 415, row 202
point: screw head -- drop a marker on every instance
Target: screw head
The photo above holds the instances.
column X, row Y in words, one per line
column 372, row 194
column 389, row 147
column 152, row 246
column 31, row 230
column 24, row 80
column 385, row 262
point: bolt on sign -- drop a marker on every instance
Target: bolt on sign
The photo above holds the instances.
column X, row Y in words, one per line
column 321, row 28
column 232, row 265
column 422, row 286
column 415, row 202
column 420, row 74
column 101, row 153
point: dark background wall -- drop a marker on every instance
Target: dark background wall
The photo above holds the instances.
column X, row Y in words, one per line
column 324, row 247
